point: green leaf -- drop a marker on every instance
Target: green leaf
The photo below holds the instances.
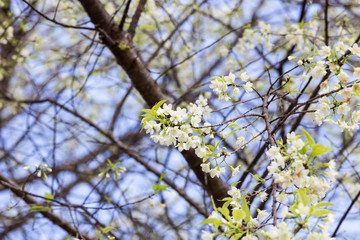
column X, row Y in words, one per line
column 158, row 187
column 161, row 177
column 107, row 229
column 123, row 46
column 67, row 237
column 257, row 177
column 50, row 196
column 308, row 137
column 34, row 209
column 107, row 199
column 293, row 209
column 147, row 111
column 321, row 212
column 98, row 233
column 323, row 204
column 232, row 132
column 147, row 27
column 211, row 147
column 302, row 196
column 216, row 144
column 111, row 165
column 320, row 149
column 225, row 212
column 238, row 214
column 146, row 118
column 232, row 124
column 158, row 105
column 304, row 150
column 214, row 221
column 245, row 207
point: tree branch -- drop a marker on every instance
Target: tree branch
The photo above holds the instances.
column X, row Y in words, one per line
column 131, row 62
column 8, row 183
column 135, row 19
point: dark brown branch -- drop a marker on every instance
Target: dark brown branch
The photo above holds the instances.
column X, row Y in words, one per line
column 326, row 23
column 122, row 22
column 135, row 19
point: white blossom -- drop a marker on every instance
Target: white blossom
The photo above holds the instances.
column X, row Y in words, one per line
column 319, row 70
column 201, row 152
column 235, row 171
column 230, row 78
column 263, row 196
column 341, row 47
column 325, row 51
column 262, row 214
column 206, row 236
column 244, row 76
column 356, row 116
column 240, row 142
column 283, row 212
column 216, row 171
column 195, row 120
column 248, row 87
column 205, row 167
column 290, row 58
column 355, row 49
column 343, row 109
column 282, row 197
column 236, row 91
column 356, row 73
column 234, row 193
column 165, row 109
column 302, row 210
column 343, row 77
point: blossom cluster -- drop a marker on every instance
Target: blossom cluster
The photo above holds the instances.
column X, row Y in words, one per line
column 259, row 35
column 301, row 169
column 294, row 166
column 182, row 128
column 220, row 85
column 296, row 169
column 334, row 107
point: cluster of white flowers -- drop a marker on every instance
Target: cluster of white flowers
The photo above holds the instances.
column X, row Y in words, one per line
column 347, row 120
column 220, row 85
column 214, row 172
column 176, row 127
column 322, row 110
column 337, row 112
column 319, row 70
column 281, row 231
column 297, row 172
column 292, row 164
column 185, row 129
column 294, row 35
column 6, row 34
column 255, row 36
